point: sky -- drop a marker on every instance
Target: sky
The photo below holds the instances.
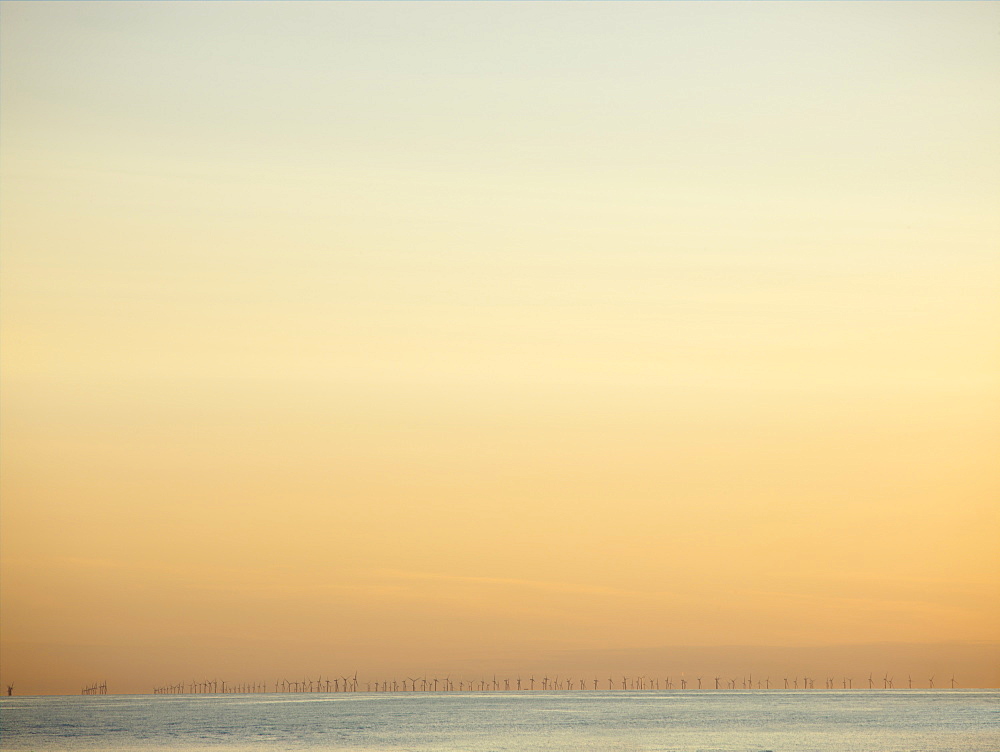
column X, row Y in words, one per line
column 453, row 338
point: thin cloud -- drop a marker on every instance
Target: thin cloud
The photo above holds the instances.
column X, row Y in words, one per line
column 541, row 585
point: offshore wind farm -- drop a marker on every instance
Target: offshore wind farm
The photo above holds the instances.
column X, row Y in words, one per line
column 485, row 684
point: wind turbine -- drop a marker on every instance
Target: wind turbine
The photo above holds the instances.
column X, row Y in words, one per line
column 952, row 681
column 932, row 682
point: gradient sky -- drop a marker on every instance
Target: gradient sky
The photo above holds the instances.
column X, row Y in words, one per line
column 434, row 337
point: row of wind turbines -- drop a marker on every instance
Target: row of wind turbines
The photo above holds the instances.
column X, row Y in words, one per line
column 217, row 686
column 436, row 684
column 97, row 688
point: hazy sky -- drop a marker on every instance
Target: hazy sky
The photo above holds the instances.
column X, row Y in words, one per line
column 402, row 337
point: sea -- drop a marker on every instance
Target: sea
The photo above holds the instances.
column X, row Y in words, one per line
column 633, row 721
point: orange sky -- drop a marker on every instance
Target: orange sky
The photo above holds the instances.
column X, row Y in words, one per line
column 420, row 337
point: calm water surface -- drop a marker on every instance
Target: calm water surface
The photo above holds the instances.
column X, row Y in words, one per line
column 716, row 721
